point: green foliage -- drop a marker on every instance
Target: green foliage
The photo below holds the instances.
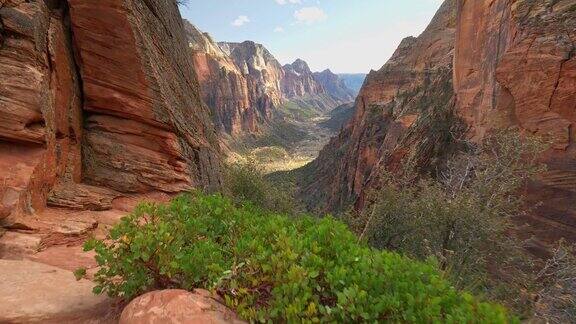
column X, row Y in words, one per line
column 272, row 268
column 462, row 218
column 80, row 273
column 269, row 154
column 246, row 183
column 298, row 111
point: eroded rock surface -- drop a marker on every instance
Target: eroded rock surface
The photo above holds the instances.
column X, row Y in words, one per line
column 396, row 118
column 98, row 99
column 520, row 71
column 299, row 81
column 177, row 306
column 514, row 66
column 40, row 105
column 37, row 293
column 224, row 87
column 246, row 87
column 99, row 109
column 262, row 71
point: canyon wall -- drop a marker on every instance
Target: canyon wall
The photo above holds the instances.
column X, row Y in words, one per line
column 224, row 87
column 246, row 87
column 514, row 66
column 262, row 72
column 520, row 71
column 98, row 98
column 335, row 86
column 299, row 81
column 397, row 116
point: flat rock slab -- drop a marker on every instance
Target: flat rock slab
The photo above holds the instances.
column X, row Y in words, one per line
column 15, row 246
column 65, row 257
column 34, row 292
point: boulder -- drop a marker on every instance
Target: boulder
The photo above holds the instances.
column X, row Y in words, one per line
column 177, row 306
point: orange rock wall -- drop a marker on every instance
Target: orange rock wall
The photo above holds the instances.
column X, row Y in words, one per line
column 40, row 106
column 515, row 65
column 98, row 98
column 223, row 86
column 391, row 123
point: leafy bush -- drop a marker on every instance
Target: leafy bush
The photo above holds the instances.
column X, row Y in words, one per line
column 272, row 268
column 246, row 183
column 463, row 217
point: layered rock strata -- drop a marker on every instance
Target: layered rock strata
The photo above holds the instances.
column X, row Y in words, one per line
column 224, row 87
column 98, row 99
column 515, row 65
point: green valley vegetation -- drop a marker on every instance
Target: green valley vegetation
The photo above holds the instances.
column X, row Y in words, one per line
column 291, row 139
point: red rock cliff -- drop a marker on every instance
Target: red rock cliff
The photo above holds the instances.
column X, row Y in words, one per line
column 515, row 65
column 98, row 98
column 298, row 81
column 244, row 85
column 223, row 86
column 261, row 70
column 397, row 112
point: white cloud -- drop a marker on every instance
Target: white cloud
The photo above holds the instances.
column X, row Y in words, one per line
column 279, row 29
column 283, row 2
column 310, row 15
column 240, row 21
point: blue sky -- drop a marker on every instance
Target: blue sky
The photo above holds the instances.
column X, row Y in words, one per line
column 343, row 35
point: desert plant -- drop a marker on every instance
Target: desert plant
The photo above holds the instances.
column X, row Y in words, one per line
column 557, row 286
column 463, row 217
column 272, row 268
column 245, row 182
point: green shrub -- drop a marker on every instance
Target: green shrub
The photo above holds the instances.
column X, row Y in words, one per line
column 463, row 217
column 272, row 268
column 247, row 183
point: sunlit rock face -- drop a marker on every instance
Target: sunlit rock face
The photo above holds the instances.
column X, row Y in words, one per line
column 98, row 98
column 514, row 65
column 520, row 71
column 224, row 87
column 244, row 85
column 395, row 118
column 262, row 72
column 335, row 86
column 299, row 81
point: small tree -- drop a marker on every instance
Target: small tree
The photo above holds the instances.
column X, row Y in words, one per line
column 463, row 217
column 246, row 183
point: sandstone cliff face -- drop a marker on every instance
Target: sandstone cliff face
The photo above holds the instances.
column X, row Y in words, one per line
column 334, row 86
column 246, row 87
column 397, row 116
column 521, row 71
column 98, row 98
column 514, row 66
column 299, row 81
column 40, row 105
column 224, row 87
column 261, row 70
